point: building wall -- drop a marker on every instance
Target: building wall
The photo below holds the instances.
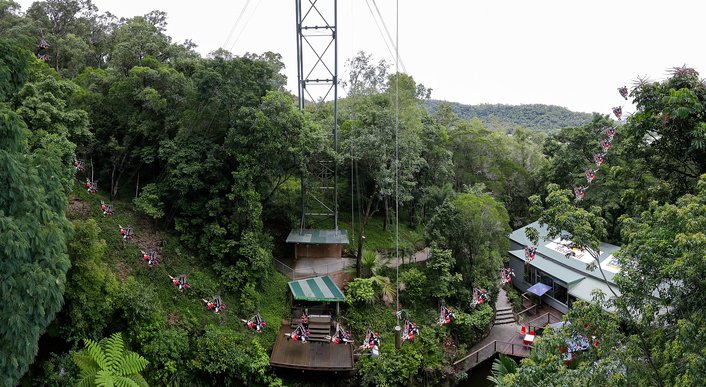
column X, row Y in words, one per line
column 518, row 266
column 304, row 250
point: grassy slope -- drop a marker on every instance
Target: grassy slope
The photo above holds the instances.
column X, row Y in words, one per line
column 187, row 308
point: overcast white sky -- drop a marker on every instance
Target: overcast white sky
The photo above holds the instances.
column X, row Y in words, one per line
column 568, row 53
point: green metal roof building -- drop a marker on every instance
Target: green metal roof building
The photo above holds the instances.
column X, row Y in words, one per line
column 561, row 267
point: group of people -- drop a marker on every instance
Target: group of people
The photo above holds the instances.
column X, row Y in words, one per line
column 341, row 336
column 79, row 165
column 42, row 50
column 371, row 342
column 530, row 252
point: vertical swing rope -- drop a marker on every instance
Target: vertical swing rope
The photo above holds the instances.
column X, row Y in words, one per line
column 397, row 161
column 350, row 139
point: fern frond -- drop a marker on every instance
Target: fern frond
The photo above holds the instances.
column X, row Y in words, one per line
column 88, row 380
column 105, row 379
column 85, row 362
column 96, row 352
column 137, row 378
column 124, row 381
column 114, row 347
column 130, row 364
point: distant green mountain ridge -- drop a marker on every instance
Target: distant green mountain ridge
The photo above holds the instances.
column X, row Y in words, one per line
column 547, row 118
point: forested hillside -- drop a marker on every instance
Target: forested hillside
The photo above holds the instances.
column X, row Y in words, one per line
column 507, row 118
column 128, row 160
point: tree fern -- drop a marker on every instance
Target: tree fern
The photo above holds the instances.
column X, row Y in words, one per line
column 110, row 364
column 502, row 366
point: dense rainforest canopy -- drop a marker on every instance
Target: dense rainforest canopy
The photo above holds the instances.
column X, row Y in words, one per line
column 202, row 159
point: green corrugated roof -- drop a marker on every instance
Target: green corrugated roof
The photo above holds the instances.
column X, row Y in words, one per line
column 316, row 289
column 583, row 289
column 554, row 269
column 318, row 236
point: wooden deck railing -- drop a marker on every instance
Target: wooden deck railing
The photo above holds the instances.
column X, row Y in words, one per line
column 489, row 350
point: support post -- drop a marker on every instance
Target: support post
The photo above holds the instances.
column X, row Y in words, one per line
column 398, row 337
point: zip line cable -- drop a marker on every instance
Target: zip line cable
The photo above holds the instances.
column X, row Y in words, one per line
column 389, row 49
column 235, row 25
column 245, row 26
column 398, row 60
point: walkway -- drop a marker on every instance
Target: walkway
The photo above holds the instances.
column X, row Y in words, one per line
column 503, row 338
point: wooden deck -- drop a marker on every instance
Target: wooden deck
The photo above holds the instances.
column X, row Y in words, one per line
column 315, row 356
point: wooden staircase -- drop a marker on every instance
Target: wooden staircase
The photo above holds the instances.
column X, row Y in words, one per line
column 319, row 327
column 504, row 315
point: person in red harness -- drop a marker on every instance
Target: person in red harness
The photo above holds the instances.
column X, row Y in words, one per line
column 410, row 331
column 299, row 334
column 446, row 316
column 107, row 209
column 256, row 323
column 180, row 282
column 79, row 166
column 151, row 259
column 126, row 232
column 341, row 336
column 618, row 111
column 216, row 305
column 530, row 253
column 579, row 192
column 91, row 186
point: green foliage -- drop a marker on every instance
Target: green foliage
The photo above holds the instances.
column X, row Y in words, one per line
column 474, row 227
column 108, row 363
column 415, row 285
column 13, row 69
column 502, row 366
column 440, row 274
column 34, row 231
column 227, row 357
column 392, row 368
column 360, row 290
column 469, row 328
column 506, row 118
column 149, row 202
column 91, row 286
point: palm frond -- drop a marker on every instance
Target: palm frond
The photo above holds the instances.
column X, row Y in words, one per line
column 125, row 381
column 137, row 378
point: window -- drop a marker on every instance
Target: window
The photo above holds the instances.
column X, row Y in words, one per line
column 529, row 274
column 561, row 294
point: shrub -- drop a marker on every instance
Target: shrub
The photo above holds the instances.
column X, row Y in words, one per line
column 415, row 282
column 360, row 290
column 469, row 328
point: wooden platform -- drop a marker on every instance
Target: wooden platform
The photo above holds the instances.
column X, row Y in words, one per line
column 315, row 356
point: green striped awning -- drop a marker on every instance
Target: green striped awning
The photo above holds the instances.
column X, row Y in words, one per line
column 316, row 289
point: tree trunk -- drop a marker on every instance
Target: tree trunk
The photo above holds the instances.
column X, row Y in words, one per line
column 361, row 235
column 386, row 223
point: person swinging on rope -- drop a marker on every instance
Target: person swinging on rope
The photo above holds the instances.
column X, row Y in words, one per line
column 151, row 259
column 257, row 324
column 341, row 336
column 181, row 283
column 299, row 334
column 107, row 209
column 91, row 186
column 410, row 331
column 446, row 316
column 216, row 305
column 126, row 232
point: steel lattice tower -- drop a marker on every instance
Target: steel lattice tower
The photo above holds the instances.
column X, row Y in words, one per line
column 317, row 75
